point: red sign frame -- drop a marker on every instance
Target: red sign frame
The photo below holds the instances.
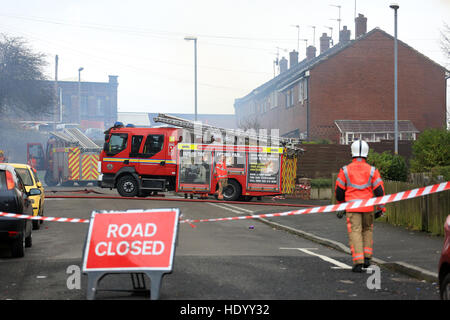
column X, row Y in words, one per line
column 132, row 240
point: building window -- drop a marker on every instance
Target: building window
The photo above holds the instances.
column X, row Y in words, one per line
column 84, row 105
column 289, row 98
column 274, row 99
column 101, row 103
column 303, row 90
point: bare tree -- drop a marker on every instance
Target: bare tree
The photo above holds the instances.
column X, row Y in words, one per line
column 445, row 40
column 445, row 46
column 22, row 86
column 250, row 122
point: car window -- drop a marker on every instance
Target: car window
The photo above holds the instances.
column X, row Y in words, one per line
column 20, row 184
column 25, row 175
column 35, row 176
column 3, row 180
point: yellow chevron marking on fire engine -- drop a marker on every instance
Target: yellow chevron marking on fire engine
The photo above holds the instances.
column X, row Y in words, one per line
column 89, row 167
column 74, row 163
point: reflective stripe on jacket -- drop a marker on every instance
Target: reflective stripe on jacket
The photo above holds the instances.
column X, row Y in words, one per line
column 221, row 170
column 358, row 180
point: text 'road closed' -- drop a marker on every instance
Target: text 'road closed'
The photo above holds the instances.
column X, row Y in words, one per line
column 134, row 247
column 131, row 240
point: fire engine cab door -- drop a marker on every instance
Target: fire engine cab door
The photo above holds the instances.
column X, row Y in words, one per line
column 35, row 156
column 153, row 156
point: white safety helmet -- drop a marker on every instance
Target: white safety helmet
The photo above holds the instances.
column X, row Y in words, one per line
column 360, row 148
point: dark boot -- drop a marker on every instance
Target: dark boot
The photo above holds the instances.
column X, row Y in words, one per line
column 366, row 262
column 358, row 268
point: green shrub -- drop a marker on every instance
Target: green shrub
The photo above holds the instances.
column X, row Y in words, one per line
column 431, row 150
column 441, row 171
column 391, row 167
column 321, row 183
column 319, row 141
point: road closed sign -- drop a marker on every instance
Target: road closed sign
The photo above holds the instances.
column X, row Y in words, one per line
column 131, row 240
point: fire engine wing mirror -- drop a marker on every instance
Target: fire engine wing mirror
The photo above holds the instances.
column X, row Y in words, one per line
column 163, row 163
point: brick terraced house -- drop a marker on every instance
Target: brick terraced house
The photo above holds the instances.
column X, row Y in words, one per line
column 351, row 83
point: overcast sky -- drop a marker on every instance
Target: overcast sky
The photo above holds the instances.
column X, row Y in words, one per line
column 142, row 41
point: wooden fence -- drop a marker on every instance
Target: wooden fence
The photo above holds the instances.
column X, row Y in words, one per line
column 427, row 213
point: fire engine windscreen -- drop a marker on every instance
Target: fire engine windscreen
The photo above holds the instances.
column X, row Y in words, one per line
column 116, row 144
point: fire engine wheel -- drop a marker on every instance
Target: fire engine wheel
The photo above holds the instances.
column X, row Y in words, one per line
column 127, row 186
column 232, row 191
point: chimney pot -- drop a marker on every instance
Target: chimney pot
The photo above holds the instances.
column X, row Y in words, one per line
column 293, row 58
column 344, row 35
column 324, row 43
column 360, row 25
column 310, row 52
column 283, row 65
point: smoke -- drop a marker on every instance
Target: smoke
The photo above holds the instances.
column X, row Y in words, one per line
column 14, row 138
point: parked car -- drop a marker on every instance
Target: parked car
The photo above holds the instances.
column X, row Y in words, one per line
column 14, row 199
column 34, row 187
column 444, row 264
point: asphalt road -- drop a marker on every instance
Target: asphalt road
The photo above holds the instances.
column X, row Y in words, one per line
column 243, row 259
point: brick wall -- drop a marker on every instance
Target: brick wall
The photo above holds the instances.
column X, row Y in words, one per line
column 322, row 160
column 358, row 83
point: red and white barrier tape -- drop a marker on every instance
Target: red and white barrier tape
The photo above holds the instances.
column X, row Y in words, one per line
column 24, row 216
column 343, row 206
column 395, row 197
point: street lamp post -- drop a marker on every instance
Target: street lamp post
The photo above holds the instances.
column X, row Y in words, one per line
column 395, row 7
column 79, row 93
column 195, row 70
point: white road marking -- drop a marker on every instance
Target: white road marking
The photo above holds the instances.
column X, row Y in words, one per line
column 226, row 208
column 237, row 208
column 338, row 264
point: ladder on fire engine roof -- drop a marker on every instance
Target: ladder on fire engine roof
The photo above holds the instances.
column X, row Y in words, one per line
column 77, row 138
column 290, row 143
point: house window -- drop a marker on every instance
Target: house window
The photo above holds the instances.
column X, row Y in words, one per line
column 303, row 90
column 300, row 91
column 289, row 98
column 273, row 99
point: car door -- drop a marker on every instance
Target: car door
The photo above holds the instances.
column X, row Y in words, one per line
column 27, row 205
column 39, row 186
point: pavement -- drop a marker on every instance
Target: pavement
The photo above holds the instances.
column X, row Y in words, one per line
column 414, row 253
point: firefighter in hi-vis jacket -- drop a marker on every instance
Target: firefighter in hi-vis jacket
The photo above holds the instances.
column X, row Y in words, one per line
column 360, row 181
column 221, row 171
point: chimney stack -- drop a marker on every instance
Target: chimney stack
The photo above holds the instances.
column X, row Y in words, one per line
column 324, row 43
column 293, row 58
column 310, row 52
column 344, row 35
column 360, row 25
column 283, row 65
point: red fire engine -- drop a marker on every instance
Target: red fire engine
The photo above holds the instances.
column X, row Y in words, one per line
column 138, row 161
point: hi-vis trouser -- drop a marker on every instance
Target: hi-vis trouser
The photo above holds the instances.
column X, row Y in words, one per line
column 360, row 234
